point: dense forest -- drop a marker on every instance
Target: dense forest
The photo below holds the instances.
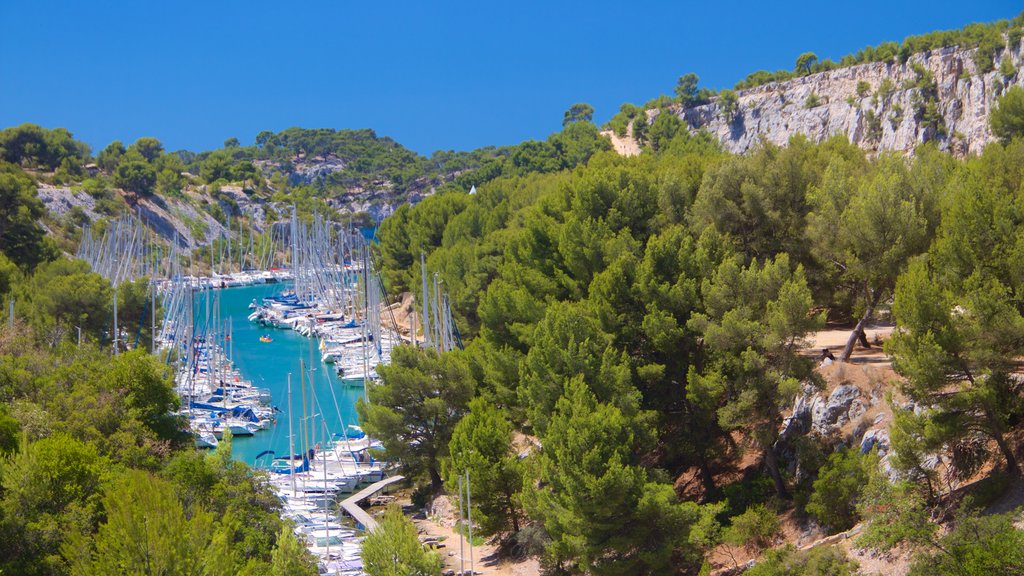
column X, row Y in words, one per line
column 641, row 319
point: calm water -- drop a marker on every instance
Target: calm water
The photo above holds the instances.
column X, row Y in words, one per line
column 267, row 365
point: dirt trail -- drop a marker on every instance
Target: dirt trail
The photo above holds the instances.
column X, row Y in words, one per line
column 439, row 526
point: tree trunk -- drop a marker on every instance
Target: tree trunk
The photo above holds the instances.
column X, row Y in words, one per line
column 858, row 331
column 772, row 462
column 706, row 478
column 512, row 512
column 1011, row 460
column 436, row 484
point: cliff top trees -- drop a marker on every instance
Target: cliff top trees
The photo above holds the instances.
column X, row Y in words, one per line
column 579, row 112
column 21, row 237
column 32, row 146
column 805, row 62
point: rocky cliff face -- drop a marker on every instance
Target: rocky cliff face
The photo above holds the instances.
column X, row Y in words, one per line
column 774, row 112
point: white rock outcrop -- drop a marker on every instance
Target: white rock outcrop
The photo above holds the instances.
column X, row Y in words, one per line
column 776, row 111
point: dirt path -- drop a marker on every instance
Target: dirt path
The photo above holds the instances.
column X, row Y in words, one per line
column 837, row 338
column 440, row 526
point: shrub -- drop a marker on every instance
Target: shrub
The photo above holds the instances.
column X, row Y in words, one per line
column 863, row 88
column 874, row 126
column 812, row 101
column 885, row 89
column 1006, row 67
column 820, row 561
column 1007, row 118
column 838, row 489
column 755, row 529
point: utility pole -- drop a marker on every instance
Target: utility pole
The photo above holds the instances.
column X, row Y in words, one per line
column 79, row 328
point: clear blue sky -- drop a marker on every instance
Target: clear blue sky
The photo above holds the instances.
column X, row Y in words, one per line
column 432, row 75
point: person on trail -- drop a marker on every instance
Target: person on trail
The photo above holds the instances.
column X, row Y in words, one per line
column 826, row 354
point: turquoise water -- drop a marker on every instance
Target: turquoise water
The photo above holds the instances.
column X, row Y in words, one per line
column 267, row 365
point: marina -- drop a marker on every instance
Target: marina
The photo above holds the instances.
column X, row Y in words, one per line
column 274, row 348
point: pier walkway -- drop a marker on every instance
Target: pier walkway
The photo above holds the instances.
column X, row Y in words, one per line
column 351, row 504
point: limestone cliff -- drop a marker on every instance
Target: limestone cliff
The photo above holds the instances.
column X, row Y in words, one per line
column 776, row 111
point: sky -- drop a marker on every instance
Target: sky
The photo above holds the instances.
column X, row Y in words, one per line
column 432, row 75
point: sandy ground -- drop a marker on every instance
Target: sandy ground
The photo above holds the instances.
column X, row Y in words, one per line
column 440, row 526
column 834, row 339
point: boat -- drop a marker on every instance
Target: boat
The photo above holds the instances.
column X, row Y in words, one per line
column 265, row 338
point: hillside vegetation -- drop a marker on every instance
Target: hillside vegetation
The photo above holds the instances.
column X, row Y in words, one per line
column 644, row 319
column 636, row 334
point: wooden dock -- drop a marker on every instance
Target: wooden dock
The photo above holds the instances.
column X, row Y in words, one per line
column 351, row 504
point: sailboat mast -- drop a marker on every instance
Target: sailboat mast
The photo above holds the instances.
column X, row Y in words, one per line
column 291, row 435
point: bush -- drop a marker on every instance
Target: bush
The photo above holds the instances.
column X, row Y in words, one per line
column 863, row 88
column 838, row 489
column 754, row 529
column 980, row 545
column 1007, row 118
column 874, row 126
column 1006, row 67
column 820, row 561
column 813, row 101
column 885, row 89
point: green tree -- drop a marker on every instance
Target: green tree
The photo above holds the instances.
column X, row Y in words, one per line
column 134, row 173
column 21, row 238
column 756, row 316
column 838, row 488
column 579, row 112
column 393, row 549
column 481, row 444
column 148, row 391
column 146, row 532
column 805, row 62
column 414, row 408
column 664, row 128
column 1007, row 117
column 756, row 528
column 216, row 166
column 868, row 231
column 52, row 491
column 232, row 143
column 149, row 148
column 686, row 89
column 729, row 104
column 568, row 345
column 136, row 312
column 110, row 156
column 289, row 557
column 955, row 349
column 32, row 146
column 64, row 294
column 591, row 485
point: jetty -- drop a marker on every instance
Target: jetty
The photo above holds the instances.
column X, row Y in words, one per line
column 351, row 504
